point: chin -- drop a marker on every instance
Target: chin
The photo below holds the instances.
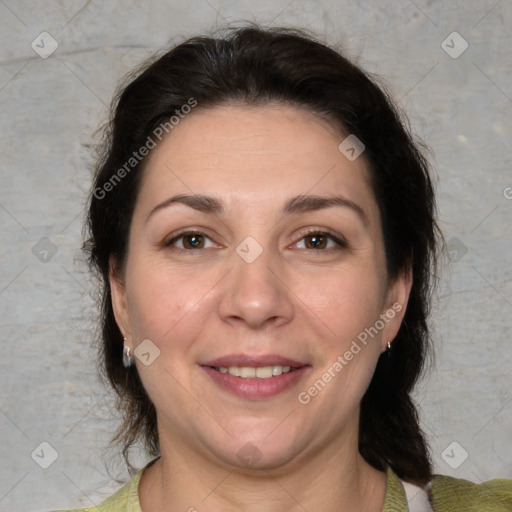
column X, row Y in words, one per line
column 252, row 452
column 254, row 457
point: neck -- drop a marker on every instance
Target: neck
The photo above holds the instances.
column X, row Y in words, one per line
column 332, row 481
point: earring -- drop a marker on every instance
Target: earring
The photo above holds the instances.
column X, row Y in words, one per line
column 389, row 348
column 127, row 358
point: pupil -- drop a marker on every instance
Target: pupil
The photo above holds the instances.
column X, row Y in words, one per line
column 317, row 241
column 193, row 241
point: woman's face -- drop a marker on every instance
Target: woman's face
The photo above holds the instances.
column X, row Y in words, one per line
column 256, row 245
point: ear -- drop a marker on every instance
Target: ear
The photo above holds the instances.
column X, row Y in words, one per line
column 119, row 302
column 397, row 297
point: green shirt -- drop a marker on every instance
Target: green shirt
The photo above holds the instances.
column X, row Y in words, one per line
column 446, row 494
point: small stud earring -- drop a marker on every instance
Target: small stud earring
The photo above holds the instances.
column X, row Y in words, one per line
column 127, row 358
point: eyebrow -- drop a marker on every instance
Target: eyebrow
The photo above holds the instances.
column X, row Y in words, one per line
column 297, row 204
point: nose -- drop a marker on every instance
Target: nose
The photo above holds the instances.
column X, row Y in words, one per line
column 255, row 294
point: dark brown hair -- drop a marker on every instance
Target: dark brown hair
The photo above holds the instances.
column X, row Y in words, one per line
column 256, row 66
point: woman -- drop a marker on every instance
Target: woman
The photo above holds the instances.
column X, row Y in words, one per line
column 264, row 227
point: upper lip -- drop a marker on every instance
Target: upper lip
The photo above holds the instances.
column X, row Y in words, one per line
column 253, row 361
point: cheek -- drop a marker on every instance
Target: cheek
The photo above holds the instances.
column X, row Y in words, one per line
column 345, row 307
column 346, row 301
column 162, row 301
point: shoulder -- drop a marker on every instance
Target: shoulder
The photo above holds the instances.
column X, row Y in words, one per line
column 453, row 494
column 125, row 499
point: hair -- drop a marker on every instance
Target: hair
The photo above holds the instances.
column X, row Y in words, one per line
column 253, row 66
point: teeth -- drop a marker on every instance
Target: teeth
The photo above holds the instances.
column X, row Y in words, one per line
column 264, row 372
column 277, row 370
column 261, row 372
column 247, row 373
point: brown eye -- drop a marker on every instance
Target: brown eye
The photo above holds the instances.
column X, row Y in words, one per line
column 316, row 241
column 321, row 241
column 189, row 241
column 193, row 241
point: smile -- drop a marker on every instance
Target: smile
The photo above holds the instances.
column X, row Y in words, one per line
column 260, row 372
column 256, row 383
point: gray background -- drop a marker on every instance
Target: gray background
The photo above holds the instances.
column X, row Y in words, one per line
column 49, row 109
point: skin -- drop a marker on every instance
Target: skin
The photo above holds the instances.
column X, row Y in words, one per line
column 296, row 300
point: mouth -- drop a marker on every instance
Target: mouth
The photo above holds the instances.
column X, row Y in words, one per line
column 260, row 372
column 255, row 377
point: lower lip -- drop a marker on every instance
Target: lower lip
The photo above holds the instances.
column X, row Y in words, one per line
column 256, row 389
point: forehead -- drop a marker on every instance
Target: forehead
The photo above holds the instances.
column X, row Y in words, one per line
column 250, row 155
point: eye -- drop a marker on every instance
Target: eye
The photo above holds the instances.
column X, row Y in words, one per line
column 314, row 239
column 190, row 240
column 321, row 240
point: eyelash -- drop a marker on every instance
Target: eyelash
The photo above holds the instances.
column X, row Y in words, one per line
column 337, row 239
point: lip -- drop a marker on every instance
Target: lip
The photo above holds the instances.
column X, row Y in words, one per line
column 255, row 389
column 253, row 361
